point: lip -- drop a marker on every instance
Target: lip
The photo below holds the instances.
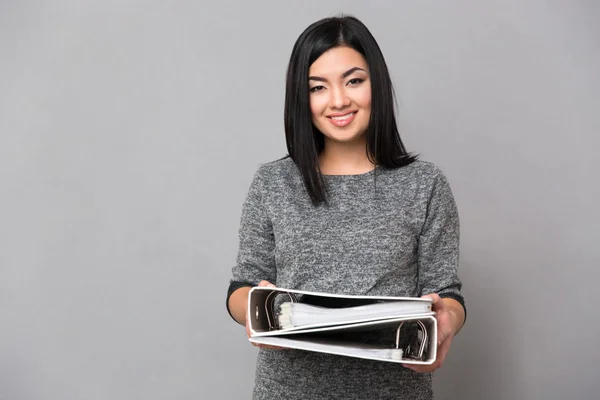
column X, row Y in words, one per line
column 343, row 122
column 341, row 114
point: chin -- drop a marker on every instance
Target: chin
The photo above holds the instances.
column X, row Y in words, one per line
column 344, row 137
column 352, row 139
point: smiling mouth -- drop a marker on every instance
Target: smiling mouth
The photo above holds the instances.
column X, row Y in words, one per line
column 343, row 117
column 342, row 121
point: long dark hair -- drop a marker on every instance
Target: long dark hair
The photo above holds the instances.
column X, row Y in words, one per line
column 304, row 141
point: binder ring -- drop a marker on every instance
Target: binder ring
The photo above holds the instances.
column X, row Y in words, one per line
column 422, row 345
column 270, row 307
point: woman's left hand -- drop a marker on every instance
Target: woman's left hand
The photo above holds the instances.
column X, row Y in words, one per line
column 445, row 334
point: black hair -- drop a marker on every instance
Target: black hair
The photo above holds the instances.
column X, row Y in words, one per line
column 304, row 141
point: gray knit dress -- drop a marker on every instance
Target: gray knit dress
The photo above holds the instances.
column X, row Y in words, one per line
column 387, row 232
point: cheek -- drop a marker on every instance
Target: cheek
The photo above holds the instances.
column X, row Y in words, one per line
column 364, row 99
column 317, row 106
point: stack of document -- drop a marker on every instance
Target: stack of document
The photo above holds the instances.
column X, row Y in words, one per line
column 285, row 318
column 295, row 315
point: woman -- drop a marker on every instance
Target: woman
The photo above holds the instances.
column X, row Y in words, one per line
column 349, row 211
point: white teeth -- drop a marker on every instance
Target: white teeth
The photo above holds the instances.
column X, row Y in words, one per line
column 343, row 117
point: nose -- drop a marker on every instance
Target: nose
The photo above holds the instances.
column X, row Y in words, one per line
column 339, row 98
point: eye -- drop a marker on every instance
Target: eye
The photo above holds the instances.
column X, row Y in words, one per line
column 355, row 81
column 316, row 89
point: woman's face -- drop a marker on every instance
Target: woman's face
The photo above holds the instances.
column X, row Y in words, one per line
column 340, row 94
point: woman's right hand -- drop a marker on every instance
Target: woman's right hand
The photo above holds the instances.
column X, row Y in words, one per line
column 262, row 346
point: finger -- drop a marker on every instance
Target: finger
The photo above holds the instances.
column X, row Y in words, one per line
column 442, row 352
column 439, row 361
column 265, row 284
column 438, row 304
column 421, row 368
column 439, row 307
column 269, row 347
column 248, row 332
column 441, row 339
column 445, row 332
column 444, row 335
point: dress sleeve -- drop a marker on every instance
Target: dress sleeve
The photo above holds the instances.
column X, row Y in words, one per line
column 438, row 250
column 255, row 259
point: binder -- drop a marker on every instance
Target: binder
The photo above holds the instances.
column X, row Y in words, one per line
column 337, row 324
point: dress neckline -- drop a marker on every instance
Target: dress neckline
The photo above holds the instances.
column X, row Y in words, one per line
column 351, row 176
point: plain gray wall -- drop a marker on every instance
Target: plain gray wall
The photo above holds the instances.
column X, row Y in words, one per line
column 130, row 131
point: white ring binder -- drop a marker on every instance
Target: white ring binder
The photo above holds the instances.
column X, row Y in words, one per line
column 379, row 314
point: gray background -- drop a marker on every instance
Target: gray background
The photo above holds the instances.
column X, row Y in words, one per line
column 130, row 131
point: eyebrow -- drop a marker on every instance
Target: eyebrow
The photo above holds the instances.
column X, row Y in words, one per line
column 344, row 75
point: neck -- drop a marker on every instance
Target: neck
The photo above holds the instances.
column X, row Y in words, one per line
column 344, row 158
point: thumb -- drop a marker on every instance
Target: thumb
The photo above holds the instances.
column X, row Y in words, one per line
column 439, row 307
column 437, row 302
